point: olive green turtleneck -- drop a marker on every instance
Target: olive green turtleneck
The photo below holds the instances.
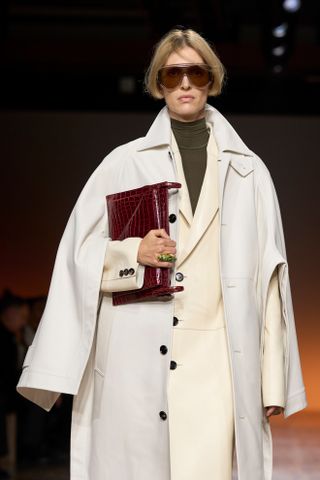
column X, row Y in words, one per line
column 192, row 139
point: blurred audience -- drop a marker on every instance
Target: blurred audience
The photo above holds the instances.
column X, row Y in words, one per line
column 14, row 313
column 41, row 437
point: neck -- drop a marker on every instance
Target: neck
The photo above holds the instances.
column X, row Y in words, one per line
column 187, row 118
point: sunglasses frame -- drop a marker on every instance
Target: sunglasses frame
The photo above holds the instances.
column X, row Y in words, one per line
column 185, row 66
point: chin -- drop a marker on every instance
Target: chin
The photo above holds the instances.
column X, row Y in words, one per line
column 188, row 115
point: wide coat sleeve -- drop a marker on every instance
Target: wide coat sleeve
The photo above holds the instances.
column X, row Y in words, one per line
column 56, row 360
column 272, row 255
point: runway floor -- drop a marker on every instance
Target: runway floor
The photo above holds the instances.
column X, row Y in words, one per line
column 296, row 447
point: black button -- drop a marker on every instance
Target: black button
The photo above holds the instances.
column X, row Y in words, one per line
column 172, row 218
column 126, row 271
column 179, row 276
column 175, row 321
column 163, row 415
column 121, row 273
column 163, row 349
column 131, row 271
column 173, row 365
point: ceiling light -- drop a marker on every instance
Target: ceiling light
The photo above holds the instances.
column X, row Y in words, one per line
column 280, row 31
column 277, row 69
column 291, row 5
column 278, row 51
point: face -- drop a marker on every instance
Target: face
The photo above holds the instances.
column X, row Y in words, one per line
column 185, row 102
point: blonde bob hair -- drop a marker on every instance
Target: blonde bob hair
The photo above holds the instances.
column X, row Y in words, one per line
column 174, row 41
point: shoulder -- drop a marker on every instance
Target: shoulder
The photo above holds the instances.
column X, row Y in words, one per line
column 260, row 167
column 122, row 152
column 112, row 166
column 265, row 190
column 116, row 159
column 263, row 177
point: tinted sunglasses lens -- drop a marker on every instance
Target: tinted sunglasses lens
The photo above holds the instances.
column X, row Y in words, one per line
column 198, row 76
column 170, row 77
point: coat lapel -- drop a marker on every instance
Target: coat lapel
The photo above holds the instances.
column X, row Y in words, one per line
column 225, row 148
column 184, row 198
column 208, row 202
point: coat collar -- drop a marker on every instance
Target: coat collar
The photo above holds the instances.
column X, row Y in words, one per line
column 226, row 147
column 226, row 137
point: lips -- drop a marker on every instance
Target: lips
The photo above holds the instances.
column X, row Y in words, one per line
column 186, row 97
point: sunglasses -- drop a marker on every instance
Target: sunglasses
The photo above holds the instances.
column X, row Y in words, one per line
column 171, row 76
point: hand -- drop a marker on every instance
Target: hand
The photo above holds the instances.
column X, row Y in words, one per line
column 154, row 243
column 273, row 410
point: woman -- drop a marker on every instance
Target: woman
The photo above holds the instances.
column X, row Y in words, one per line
column 166, row 388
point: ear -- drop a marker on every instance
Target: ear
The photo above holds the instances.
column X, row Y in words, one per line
column 160, row 90
column 210, row 86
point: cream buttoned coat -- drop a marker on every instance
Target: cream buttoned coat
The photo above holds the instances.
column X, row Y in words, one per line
column 109, row 357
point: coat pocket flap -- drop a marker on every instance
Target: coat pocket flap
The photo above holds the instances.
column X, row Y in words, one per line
column 242, row 167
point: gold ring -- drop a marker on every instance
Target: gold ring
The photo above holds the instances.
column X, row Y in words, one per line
column 166, row 257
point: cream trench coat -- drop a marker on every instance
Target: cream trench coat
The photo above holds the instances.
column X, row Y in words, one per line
column 109, row 357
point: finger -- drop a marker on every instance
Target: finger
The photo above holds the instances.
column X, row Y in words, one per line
column 159, row 264
column 164, row 262
column 171, row 250
column 274, row 411
column 169, row 243
column 160, row 232
column 278, row 410
column 269, row 411
column 163, row 243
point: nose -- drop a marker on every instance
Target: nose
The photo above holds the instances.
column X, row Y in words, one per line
column 185, row 81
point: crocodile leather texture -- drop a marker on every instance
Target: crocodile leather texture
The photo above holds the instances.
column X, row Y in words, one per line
column 134, row 213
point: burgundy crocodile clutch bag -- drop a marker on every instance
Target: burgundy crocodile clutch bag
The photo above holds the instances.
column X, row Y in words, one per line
column 133, row 214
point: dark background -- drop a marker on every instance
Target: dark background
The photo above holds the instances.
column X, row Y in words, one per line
column 72, row 89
